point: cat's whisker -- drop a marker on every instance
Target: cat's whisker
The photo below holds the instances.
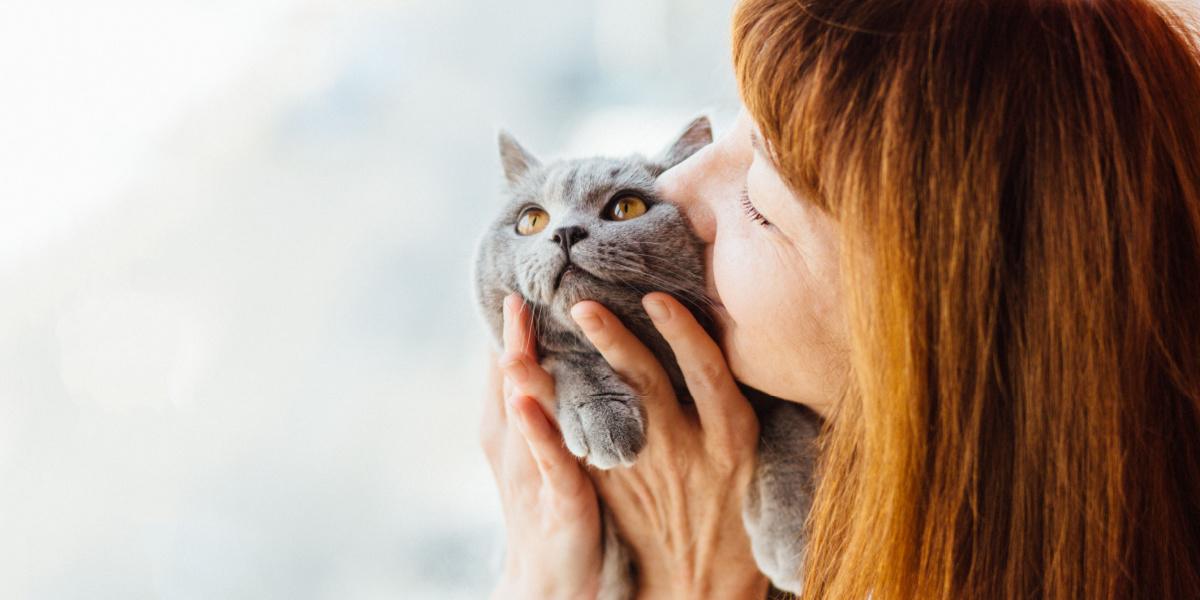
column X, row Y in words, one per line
column 680, row 273
column 670, row 269
column 643, row 272
column 536, row 317
column 699, row 301
column 532, row 309
column 631, row 266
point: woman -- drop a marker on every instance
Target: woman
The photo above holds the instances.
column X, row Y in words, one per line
column 970, row 237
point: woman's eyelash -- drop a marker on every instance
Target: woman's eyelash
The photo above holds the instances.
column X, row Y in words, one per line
column 752, row 212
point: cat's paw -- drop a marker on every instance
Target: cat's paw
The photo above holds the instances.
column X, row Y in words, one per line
column 606, row 429
column 775, row 530
column 779, row 559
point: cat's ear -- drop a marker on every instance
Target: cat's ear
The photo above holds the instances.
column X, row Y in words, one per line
column 517, row 161
column 695, row 136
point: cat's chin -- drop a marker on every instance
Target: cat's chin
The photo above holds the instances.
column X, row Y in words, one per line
column 576, row 285
column 573, row 284
column 570, row 274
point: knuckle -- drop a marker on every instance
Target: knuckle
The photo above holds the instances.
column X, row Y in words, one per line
column 537, row 390
column 725, row 462
column 569, row 493
column 642, row 382
column 678, row 465
column 709, row 375
column 548, row 467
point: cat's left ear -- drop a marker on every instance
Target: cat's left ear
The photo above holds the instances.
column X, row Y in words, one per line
column 695, row 136
column 517, row 161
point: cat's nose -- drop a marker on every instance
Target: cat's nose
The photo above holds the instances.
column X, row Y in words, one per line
column 567, row 236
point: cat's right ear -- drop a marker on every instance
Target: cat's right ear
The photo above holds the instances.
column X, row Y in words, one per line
column 695, row 136
column 517, row 161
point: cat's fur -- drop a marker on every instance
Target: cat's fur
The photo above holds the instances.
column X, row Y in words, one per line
column 616, row 263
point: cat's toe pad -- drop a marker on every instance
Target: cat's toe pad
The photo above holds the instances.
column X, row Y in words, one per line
column 606, row 430
column 780, row 562
column 777, row 545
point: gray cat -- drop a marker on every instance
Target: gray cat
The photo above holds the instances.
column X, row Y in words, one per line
column 593, row 229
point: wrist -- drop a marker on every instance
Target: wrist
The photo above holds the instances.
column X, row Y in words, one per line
column 517, row 585
column 746, row 585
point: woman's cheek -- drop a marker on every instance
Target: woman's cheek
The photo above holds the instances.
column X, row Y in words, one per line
column 746, row 287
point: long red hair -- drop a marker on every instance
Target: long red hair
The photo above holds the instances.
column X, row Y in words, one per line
column 1017, row 184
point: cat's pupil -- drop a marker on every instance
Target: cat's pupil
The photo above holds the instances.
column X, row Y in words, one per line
column 626, row 208
column 532, row 221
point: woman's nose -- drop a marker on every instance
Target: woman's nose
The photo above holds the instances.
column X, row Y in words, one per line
column 676, row 183
column 684, row 185
column 714, row 175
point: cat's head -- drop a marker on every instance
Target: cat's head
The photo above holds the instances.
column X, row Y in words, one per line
column 593, row 228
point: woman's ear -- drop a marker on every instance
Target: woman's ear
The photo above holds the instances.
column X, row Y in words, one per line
column 695, row 136
column 517, row 161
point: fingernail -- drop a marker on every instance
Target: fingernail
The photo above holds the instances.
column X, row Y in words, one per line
column 589, row 322
column 516, row 369
column 657, row 310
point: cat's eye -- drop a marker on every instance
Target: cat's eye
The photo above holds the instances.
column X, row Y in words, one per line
column 625, row 208
column 532, row 221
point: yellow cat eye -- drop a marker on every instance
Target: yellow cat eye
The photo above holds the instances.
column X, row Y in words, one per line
column 625, row 208
column 532, row 221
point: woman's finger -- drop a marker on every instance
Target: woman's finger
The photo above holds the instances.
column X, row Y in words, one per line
column 519, row 469
column 559, row 468
column 492, row 422
column 518, row 333
column 632, row 361
column 528, row 378
column 723, row 411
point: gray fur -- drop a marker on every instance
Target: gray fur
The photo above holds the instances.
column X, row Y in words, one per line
column 780, row 495
column 601, row 417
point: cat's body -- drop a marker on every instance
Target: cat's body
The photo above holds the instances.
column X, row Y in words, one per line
column 567, row 235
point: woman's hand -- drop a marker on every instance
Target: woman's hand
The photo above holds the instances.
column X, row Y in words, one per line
column 551, row 515
column 679, row 506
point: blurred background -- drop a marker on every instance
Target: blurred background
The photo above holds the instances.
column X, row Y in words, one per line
column 239, row 353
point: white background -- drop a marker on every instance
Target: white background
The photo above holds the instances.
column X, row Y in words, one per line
column 239, row 355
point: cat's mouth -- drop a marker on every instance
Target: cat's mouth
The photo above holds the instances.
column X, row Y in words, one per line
column 568, row 270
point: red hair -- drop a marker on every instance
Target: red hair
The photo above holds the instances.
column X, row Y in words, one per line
column 1017, row 186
